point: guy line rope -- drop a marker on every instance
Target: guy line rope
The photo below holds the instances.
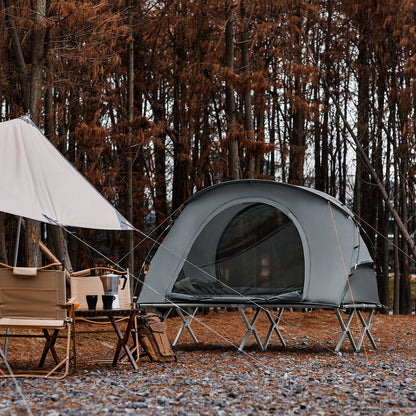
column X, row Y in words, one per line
column 173, row 304
column 16, row 383
column 346, row 272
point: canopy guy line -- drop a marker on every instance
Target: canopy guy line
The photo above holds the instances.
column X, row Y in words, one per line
column 228, row 287
column 345, row 270
column 152, row 232
column 79, row 216
column 87, row 222
column 383, row 236
column 266, row 240
column 259, row 306
column 173, row 304
column 100, row 323
column 358, row 148
column 148, row 255
column 16, row 383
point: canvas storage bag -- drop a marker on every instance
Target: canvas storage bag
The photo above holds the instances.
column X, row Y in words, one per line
column 153, row 338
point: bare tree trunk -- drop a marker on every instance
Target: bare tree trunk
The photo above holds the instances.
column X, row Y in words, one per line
column 321, row 152
column 362, row 154
column 31, row 100
column 33, row 228
column 384, row 255
column 318, row 138
column 61, row 247
column 20, row 61
column 161, row 205
column 273, row 120
column 343, row 116
column 297, row 149
column 205, row 148
column 73, row 251
column 397, row 264
column 248, row 112
column 405, row 296
column 405, row 306
column 361, row 176
column 382, row 212
column 297, row 136
column 3, row 251
column 181, row 153
column 233, row 157
column 32, row 239
column 38, row 55
column 182, row 143
column 57, row 235
column 260, row 118
column 396, row 299
column 129, row 155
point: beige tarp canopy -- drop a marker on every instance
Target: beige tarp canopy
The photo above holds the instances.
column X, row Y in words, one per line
column 38, row 182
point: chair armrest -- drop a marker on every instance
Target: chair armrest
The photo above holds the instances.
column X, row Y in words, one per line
column 71, row 301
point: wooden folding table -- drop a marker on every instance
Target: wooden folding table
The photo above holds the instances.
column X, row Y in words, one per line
column 113, row 315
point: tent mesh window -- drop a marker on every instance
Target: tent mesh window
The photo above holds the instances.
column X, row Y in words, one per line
column 258, row 252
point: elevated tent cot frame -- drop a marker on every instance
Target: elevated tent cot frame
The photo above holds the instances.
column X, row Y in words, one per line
column 263, row 245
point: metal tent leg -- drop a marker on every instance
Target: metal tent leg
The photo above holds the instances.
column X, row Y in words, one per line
column 274, row 326
column 345, row 330
column 186, row 323
column 167, row 313
column 366, row 329
column 250, row 329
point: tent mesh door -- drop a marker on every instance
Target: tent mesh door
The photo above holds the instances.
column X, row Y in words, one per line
column 257, row 252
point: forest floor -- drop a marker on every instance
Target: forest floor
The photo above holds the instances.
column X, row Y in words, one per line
column 211, row 378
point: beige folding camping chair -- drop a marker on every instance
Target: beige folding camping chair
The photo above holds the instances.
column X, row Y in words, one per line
column 33, row 304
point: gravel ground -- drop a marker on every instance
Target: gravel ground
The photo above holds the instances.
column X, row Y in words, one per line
column 211, row 378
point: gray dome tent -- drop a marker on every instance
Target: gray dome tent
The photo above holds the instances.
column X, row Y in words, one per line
column 264, row 242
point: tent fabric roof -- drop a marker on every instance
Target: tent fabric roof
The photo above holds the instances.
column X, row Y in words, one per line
column 191, row 257
column 255, row 182
column 38, row 182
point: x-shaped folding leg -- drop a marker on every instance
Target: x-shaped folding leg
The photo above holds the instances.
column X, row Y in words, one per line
column 366, row 329
column 250, row 329
column 167, row 313
column 50, row 341
column 122, row 341
column 345, row 329
column 274, row 326
column 186, row 323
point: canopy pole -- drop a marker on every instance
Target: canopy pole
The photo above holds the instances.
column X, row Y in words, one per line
column 16, row 250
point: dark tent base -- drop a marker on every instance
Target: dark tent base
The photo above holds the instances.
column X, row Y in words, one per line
column 274, row 318
column 245, row 295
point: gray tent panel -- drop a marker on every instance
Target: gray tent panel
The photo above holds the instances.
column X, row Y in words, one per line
column 261, row 241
